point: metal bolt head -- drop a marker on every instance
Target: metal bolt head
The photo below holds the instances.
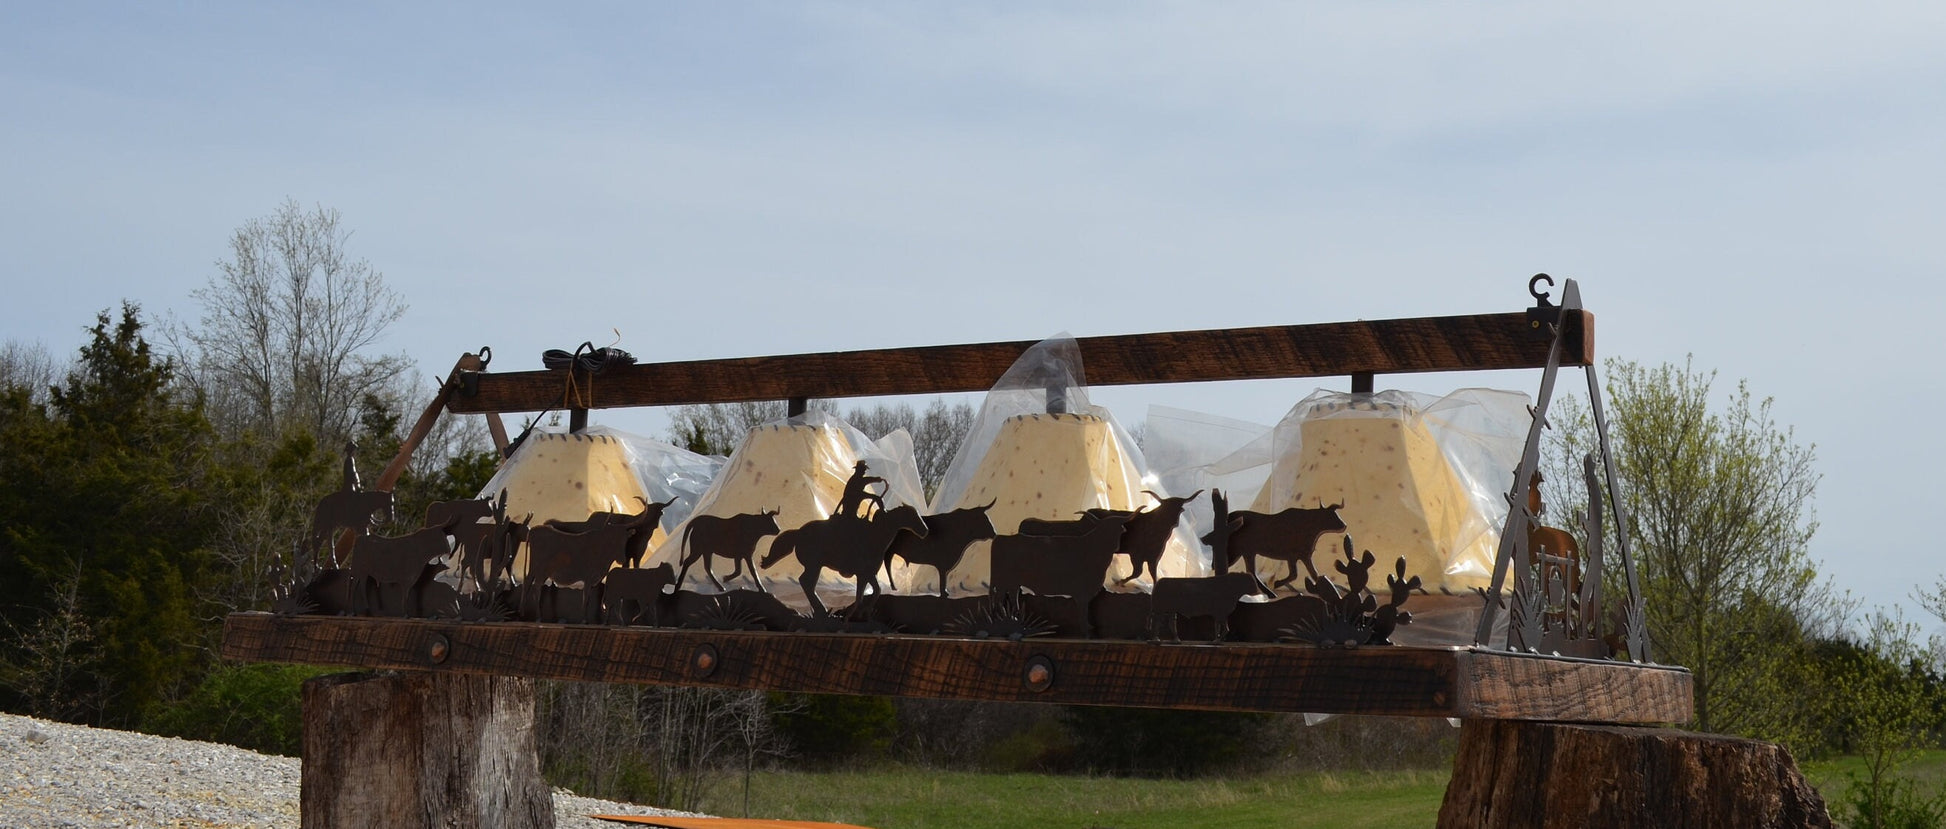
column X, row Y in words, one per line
column 703, row 662
column 1039, row 675
column 437, row 648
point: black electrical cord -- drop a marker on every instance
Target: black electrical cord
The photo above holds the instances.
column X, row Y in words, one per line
column 588, row 359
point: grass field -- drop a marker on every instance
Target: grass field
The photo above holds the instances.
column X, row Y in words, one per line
column 1829, row 776
column 925, row 799
column 898, row 798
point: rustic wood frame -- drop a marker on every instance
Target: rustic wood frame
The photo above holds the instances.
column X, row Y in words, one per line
column 1437, row 682
column 1398, row 681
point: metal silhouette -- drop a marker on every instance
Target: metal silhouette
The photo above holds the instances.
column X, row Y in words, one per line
column 708, row 537
column 944, row 543
column 853, row 547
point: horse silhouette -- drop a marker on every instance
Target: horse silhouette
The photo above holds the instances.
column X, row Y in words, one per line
column 347, row 509
column 944, row 542
column 852, row 546
column 734, row 537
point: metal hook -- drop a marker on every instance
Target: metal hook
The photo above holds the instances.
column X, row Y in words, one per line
column 1540, row 296
column 486, row 356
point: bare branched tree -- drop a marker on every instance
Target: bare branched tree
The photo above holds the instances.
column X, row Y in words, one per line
column 289, row 326
column 45, row 663
column 936, row 432
column 29, row 366
column 716, row 429
column 661, row 746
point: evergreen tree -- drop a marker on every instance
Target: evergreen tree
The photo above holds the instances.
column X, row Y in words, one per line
column 105, row 496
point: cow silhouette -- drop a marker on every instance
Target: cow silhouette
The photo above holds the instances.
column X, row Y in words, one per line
column 854, row 547
column 1059, row 558
column 1289, row 536
column 944, row 543
column 1213, row 597
column 380, row 562
column 734, row 537
column 1147, row 534
column 644, row 524
column 582, row 552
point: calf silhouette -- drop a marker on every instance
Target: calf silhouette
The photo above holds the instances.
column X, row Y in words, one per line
column 1215, row 597
column 378, row 562
column 630, row 592
column 947, row 536
column 735, row 538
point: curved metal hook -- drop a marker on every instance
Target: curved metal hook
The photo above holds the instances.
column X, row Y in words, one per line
column 1540, row 296
column 486, row 355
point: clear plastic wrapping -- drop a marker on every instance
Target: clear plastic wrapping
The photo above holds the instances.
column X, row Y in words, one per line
column 1191, row 451
column 568, row 477
column 798, row 468
column 559, row 476
column 1413, row 475
column 1039, row 449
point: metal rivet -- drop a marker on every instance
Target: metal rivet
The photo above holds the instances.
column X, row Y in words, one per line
column 1039, row 675
column 437, row 648
column 1439, row 697
column 703, row 662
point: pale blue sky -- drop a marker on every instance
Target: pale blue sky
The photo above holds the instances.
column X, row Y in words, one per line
column 1759, row 184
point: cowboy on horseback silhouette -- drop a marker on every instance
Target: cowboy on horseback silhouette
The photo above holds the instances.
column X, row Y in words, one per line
column 856, row 494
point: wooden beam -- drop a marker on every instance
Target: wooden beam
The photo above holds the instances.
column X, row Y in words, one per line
column 1402, row 346
column 1426, row 682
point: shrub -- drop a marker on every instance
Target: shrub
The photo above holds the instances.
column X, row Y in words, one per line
column 254, row 706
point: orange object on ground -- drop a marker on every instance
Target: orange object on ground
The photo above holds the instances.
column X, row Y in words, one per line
column 723, row 822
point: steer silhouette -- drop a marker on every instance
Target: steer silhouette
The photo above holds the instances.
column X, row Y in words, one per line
column 1059, row 558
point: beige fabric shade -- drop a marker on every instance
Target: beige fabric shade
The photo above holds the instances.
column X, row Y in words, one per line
column 796, row 469
column 1053, row 466
column 1400, row 495
column 568, row 477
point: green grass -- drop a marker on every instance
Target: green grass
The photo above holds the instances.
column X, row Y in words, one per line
column 910, row 798
column 1829, row 776
column 913, row 798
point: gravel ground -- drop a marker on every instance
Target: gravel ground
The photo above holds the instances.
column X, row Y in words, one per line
column 58, row 775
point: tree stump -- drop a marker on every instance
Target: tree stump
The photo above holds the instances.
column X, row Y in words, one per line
column 421, row 750
column 1527, row 774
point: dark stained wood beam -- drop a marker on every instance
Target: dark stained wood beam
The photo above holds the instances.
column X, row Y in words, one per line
column 1403, row 346
column 1425, row 682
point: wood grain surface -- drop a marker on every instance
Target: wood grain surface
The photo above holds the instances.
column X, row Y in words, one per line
column 1431, row 682
column 1401, row 346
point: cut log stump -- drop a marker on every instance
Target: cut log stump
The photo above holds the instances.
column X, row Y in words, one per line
column 421, row 750
column 1523, row 774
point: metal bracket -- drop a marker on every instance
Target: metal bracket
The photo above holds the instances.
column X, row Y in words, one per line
column 1544, row 313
